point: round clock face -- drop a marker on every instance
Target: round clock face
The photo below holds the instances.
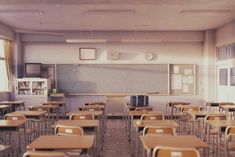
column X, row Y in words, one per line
column 149, row 56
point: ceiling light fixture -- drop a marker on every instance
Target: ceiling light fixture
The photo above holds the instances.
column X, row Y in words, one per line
column 141, row 40
column 110, row 12
column 21, row 11
column 86, row 40
column 205, row 11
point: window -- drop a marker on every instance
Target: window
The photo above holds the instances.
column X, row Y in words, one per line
column 232, row 50
column 223, row 77
column 3, row 69
column 223, row 53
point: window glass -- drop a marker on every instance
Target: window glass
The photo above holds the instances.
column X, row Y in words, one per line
column 223, row 77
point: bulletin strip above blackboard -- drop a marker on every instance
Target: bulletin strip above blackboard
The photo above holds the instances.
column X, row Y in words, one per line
column 113, row 78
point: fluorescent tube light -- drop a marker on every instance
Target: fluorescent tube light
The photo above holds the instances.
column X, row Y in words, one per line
column 109, row 12
column 86, row 40
column 21, row 11
column 141, row 40
column 205, row 11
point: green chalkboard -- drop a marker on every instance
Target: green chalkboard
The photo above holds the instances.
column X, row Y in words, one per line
column 113, row 78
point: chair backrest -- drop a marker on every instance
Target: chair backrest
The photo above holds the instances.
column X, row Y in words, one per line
column 39, row 109
column 143, row 109
column 68, row 130
column 81, row 117
column 175, row 152
column 14, row 117
column 226, row 103
column 152, row 117
column 155, row 130
column 230, row 131
column 191, row 109
column 44, row 154
column 91, row 109
column 215, row 117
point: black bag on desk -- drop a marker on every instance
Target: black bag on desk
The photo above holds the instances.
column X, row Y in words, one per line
column 133, row 100
column 142, row 101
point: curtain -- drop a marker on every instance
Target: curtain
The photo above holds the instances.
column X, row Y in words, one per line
column 9, row 63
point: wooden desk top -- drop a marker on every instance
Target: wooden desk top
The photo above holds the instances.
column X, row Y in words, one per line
column 170, row 123
column 80, row 123
column 94, row 106
column 11, row 102
column 221, row 123
column 150, row 142
column 139, row 113
column 11, row 123
column 62, row 142
column 4, row 106
column 188, row 106
column 45, row 106
column 204, row 113
column 227, row 106
column 54, row 103
column 95, row 113
column 29, row 113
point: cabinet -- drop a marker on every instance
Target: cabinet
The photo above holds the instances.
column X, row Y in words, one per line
column 33, row 91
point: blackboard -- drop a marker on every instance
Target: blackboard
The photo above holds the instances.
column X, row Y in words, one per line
column 112, row 78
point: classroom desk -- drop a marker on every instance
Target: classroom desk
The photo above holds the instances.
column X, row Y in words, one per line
column 203, row 114
column 102, row 107
column 138, row 114
column 172, row 104
column 31, row 114
column 138, row 128
column 61, row 104
column 227, row 108
column 4, row 109
column 47, row 142
column 221, row 126
column 150, row 142
column 13, row 126
column 81, row 123
column 95, row 113
column 14, row 104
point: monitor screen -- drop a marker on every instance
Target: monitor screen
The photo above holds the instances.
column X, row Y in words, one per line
column 33, row 69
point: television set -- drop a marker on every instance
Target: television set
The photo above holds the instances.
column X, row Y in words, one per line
column 32, row 69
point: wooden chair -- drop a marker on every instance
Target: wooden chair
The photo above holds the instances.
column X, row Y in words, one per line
column 63, row 130
column 143, row 109
column 91, row 109
column 152, row 117
column 81, row 117
column 175, row 152
column 44, row 154
column 155, row 130
column 68, row 130
column 213, row 132
column 229, row 140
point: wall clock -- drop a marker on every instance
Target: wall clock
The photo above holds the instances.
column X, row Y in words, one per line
column 149, row 56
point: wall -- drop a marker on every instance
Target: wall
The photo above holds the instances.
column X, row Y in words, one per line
column 177, row 47
column 4, row 96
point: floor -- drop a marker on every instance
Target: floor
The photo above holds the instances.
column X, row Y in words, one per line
column 116, row 142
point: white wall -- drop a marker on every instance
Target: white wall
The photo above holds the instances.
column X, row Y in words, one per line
column 185, row 50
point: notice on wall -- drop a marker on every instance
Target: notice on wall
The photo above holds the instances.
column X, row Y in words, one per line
column 176, row 69
column 176, row 81
column 185, row 88
column 188, row 71
column 185, row 79
column 190, row 79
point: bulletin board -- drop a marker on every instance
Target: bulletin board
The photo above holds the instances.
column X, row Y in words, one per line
column 183, row 79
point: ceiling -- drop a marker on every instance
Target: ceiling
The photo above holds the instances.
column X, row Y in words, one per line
column 116, row 15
